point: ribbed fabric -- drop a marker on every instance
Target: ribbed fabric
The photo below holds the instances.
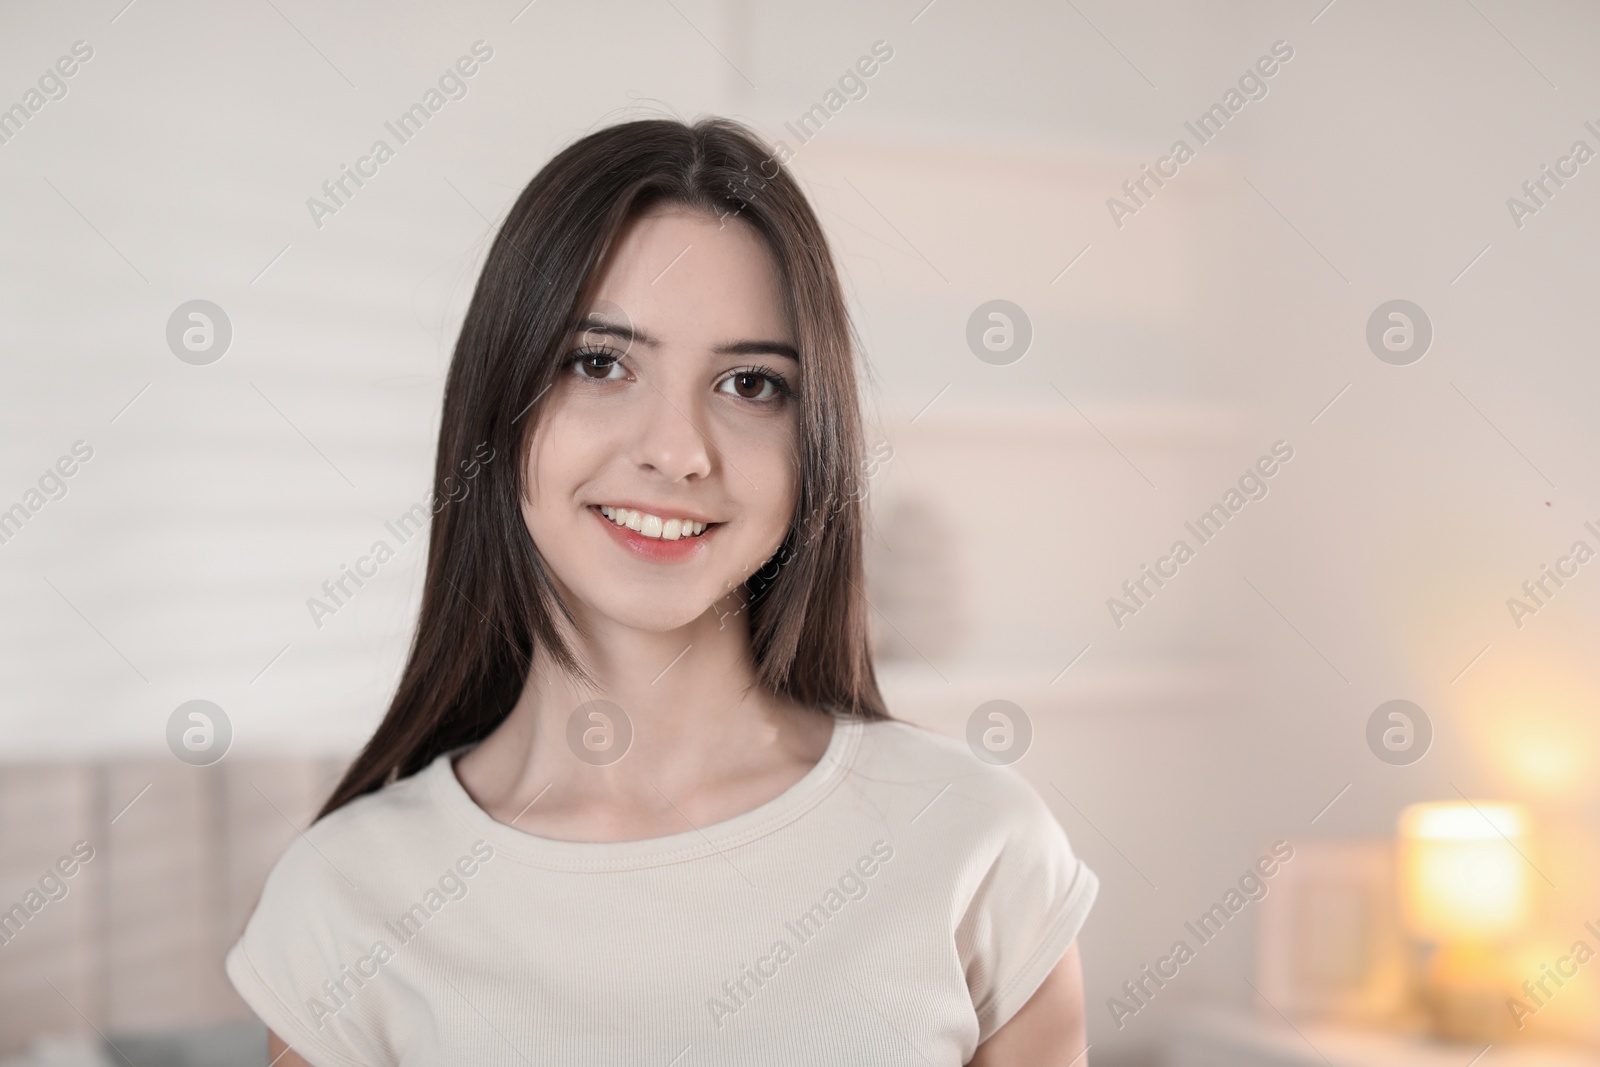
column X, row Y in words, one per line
column 897, row 905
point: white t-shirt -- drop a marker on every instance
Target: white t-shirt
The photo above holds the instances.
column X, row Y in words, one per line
column 896, row 905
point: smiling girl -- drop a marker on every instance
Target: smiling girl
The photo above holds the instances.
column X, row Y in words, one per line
column 637, row 799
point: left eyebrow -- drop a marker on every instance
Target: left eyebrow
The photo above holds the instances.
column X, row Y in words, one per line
column 758, row 348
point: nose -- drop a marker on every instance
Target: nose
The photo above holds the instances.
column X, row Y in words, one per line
column 667, row 440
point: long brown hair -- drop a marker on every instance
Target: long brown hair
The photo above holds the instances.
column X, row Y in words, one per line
column 487, row 600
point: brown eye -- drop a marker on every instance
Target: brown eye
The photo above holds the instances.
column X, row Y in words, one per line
column 756, row 384
column 597, row 366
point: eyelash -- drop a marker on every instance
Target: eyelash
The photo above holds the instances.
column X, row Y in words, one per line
column 585, row 353
column 779, row 382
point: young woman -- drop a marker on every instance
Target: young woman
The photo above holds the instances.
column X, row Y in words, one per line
column 638, row 799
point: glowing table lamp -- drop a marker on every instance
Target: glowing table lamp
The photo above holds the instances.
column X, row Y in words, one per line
column 1464, row 893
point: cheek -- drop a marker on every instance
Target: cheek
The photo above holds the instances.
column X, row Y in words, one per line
column 558, row 457
column 770, row 481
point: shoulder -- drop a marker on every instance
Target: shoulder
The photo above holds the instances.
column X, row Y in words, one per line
column 324, row 891
column 404, row 802
column 319, row 924
column 359, row 843
column 1017, row 895
column 1001, row 799
column 980, row 821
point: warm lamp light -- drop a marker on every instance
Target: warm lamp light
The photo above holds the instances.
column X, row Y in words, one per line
column 1462, row 878
column 1464, row 894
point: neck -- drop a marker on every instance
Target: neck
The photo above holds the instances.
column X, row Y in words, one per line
column 689, row 697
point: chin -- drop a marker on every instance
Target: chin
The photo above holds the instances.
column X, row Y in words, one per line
column 648, row 614
column 648, row 619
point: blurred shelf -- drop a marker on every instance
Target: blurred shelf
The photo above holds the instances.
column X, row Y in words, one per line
column 1215, row 1038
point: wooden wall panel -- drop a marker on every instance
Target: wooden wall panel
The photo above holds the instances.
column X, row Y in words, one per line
column 136, row 943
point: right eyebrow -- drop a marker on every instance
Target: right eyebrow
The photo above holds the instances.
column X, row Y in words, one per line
column 627, row 334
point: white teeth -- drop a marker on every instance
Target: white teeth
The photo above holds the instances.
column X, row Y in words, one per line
column 653, row 526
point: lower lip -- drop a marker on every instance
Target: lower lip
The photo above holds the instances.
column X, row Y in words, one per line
column 656, row 550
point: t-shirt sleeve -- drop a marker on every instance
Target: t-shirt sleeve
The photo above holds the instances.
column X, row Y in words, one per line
column 1028, row 907
column 300, row 961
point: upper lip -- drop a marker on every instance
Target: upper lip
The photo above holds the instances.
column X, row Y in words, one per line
column 665, row 511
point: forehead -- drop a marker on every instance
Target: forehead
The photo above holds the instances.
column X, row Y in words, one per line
column 683, row 275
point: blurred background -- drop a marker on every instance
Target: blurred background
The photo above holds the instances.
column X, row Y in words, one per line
column 1337, row 348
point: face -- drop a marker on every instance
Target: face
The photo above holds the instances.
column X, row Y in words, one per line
column 675, row 407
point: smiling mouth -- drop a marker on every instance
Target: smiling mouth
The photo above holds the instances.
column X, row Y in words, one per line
column 654, row 527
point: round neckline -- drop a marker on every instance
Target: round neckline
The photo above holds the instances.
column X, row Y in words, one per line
column 692, row 844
